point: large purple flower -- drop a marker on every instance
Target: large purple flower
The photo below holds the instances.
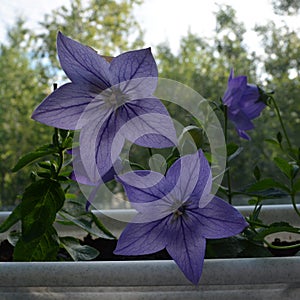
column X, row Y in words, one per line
column 177, row 212
column 243, row 103
column 105, row 99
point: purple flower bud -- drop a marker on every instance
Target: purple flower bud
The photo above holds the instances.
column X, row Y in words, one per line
column 243, row 103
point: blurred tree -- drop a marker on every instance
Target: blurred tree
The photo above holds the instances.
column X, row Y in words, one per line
column 108, row 26
column 204, row 65
column 22, row 86
column 29, row 66
column 286, row 7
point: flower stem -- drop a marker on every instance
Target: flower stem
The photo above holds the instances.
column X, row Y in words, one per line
column 295, row 204
column 281, row 247
column 281, row 123
column 229, row 192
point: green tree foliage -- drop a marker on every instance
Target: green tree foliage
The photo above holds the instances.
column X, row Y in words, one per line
column 22, row 86
column 108, row 26
column 29, row 66
column 204, row 64
column 286, row 7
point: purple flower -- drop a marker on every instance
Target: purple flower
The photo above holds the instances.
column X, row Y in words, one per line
column 177, row 212
column 243, row 103
column 108, row 103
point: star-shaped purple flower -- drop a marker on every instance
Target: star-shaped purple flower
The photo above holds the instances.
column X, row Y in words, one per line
column 104, row 99
column 243, row 103
column 177, row 212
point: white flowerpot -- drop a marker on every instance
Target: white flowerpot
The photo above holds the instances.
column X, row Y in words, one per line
column 246, row 278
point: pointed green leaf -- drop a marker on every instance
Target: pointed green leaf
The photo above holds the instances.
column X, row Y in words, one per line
column 77, row 251
column 32, row 156
column 284, row 166
column 12, row 219
column 40, row 203
column 256, row 173
column 267, row 183
column 43, row 248
column 296, row 187
column 233, row 151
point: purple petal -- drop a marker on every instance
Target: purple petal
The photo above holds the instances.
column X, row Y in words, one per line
column 234, row 92
column 219, row 220
column 153, row 128
column 187, row 248
column 243, row 134
column 133, row 64
column 240, row 120
column 142, row 238
column 96, row 143
column 82, row 64
column 195, row 179
column 251, row 104
column 144, row 186
column 64, row 107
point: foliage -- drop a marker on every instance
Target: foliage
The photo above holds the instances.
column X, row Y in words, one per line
column 102, row 24
column 289, row 7
column 43, row 199
column 22, row 86
column 202, row 64
column 29, row 67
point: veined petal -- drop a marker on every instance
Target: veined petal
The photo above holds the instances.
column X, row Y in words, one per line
column 195, row 179
column 150, row 125
column 63, row 107
column 82, row 64
column 89, row 144
column 108, row 145
column 144, row 186
column 187, row 248
column 218, row 219
column 133, row 64
column 142, row 238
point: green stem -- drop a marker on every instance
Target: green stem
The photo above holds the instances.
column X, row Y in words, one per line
column 295, row 204
column 229, row 192
column 257, row 224
column 60, row 153
column 281, row 123
column 281, row 247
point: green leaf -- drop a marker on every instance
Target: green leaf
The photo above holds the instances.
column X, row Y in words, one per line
column 267, row 183
column 276, row 227
column 40, row 203
column 231, row 148
column 14, row 237
column 296, row 186
column 233, row 151
column 12, row 219
column 32, row 156
column 284, row 166
column 84, row 222
column 279, row 137
column 43, row 248
column 77, row 251
column 272, row 141
column 256, row 173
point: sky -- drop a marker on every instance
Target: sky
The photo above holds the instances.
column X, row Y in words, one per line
column 163, row 20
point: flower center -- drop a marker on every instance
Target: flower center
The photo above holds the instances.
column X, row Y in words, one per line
column 114, row 98
column 180, row 211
